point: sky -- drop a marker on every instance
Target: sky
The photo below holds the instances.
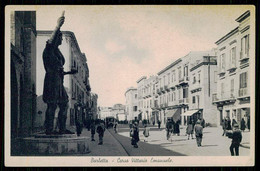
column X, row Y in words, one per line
column 124, row 43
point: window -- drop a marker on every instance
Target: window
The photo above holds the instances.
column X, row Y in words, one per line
column 232, row 87
column 243, row 80
column 215, row 76
column 244, row 46
column 199, row 78
column 186, row 71
column 233, row 57
column 193, row 99
column 194, row 80
column 174, row 96
column 180, row 73
column 174, row 76
column 135, row 96
column 222, row 62
column 168, row 78
column 179, row 93
column 185, row 92
column 135, row 108
column 222, row 89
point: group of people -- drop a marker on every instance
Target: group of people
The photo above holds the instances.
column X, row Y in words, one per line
column 231, row 130
column 172, row 127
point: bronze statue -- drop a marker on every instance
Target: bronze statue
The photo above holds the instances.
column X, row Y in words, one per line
column 54, row 93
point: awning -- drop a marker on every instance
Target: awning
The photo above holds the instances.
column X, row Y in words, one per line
column 174, row 113
column 189, row 112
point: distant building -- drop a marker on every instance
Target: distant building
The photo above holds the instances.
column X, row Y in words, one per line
column 131, row 104
column 105, row 112
column 75, row 85
column 233, row 84
column 23, row 78
column 118, row 112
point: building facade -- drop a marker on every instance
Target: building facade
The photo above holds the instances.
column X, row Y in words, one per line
column 202, row 84
column 77, row 85
column 140, row 94
column 233, row 84
column 105, row 112
column 23, row 78
column 131, row 104
column 149, row 99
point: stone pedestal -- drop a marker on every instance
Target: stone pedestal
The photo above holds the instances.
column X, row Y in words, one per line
column 67, row 144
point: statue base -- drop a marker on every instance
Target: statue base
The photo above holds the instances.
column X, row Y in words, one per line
column 65, row 144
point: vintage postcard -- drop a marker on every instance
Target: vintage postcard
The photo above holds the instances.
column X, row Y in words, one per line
column 153, row 85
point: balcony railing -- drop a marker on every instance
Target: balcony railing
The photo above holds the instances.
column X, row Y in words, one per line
column 184, row 101
column 243, row 92
column 181, row 80
column 184, row 79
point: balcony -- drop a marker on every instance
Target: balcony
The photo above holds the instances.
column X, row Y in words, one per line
column 225, row 98
column 162, row 89
column 184, row 101
column 184, row 80
column 243, row 94
column 166, row 87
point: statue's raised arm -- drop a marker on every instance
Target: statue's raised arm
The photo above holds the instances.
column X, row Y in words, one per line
column 56, row 31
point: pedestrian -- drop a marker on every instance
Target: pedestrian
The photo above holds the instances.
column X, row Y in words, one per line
column 159, row 124
column 176, row 127
column 248, row 123
column 198, row 132
column 100, row 131
column 236, row 140
column 228, row 124
column 169, row 128
column 224, row 126
column 115, row 127
column 190, row 129
column 146, row 133
column 233, row 122
column 93, row 130
column 78, row 116
column 135, row 135
column 202, row 122
column 243, row 125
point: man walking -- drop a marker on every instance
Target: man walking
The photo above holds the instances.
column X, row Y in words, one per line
column 236, row 140
column 100, row 131
column 198, row 132
column 93, row 130
column 135, row 135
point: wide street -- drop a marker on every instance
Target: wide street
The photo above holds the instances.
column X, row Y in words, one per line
column 119, row 144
